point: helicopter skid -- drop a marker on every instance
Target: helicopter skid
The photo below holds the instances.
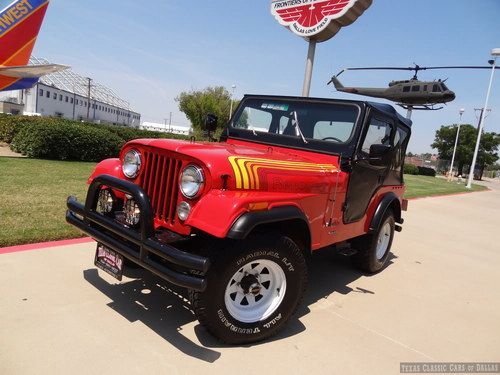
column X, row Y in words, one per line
column 420, row 107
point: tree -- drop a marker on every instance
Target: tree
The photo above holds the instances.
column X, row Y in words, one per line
column 444, row 142
column 197, row 104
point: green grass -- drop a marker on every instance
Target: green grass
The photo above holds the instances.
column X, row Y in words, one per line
column 425, row 186
column 33, row 198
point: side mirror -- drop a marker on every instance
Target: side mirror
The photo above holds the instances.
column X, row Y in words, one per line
column 210, row 124
column 379, row 155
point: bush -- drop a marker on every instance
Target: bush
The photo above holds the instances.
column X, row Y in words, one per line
column 410, row 169
column 425, row 171
column 63, row 140
column 11, row 125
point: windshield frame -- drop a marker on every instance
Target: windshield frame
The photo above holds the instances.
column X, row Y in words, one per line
column 346, row 148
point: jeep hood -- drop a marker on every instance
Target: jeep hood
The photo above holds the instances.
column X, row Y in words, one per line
column 250, row 167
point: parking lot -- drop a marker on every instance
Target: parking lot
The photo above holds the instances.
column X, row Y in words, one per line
column 438, row 300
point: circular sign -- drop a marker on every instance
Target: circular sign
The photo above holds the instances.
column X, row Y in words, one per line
column 317, row 20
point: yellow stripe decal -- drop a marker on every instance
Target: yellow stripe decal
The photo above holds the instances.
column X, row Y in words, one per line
column 246, row 170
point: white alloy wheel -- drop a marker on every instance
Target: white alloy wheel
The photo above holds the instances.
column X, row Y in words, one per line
column 255, row 291
column 384, row 237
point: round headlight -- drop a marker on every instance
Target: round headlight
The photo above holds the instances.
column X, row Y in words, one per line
column 191, row 181
column 131, row 164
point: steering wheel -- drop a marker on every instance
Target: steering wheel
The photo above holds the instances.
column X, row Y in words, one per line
column 332, row 138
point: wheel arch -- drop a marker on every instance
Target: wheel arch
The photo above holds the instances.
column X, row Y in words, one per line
column 289, row 220
column 388, row 201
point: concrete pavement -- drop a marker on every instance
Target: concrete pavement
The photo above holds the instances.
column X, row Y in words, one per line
column 438, row 300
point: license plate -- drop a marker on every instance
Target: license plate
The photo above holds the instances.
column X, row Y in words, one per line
column 109, row 261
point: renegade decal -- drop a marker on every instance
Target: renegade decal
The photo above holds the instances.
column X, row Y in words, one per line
column 246, row 170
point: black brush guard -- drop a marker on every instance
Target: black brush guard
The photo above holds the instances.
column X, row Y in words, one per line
column 135, row 244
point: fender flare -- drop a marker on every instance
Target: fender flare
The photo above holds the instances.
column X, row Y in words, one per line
column 244, row 224
column 387, row 200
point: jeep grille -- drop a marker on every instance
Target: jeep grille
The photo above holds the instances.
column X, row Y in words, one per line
column 159, row 180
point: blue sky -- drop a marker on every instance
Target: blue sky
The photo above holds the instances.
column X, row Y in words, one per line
column 148, row 52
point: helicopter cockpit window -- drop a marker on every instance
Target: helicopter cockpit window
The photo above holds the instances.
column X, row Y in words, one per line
column 436, row 88
column 406, row 88
column 425, row 87
column 415, row 88
column 443, row 86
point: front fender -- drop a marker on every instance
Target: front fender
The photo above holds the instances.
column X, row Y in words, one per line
column 112, row 167
column 217, row 211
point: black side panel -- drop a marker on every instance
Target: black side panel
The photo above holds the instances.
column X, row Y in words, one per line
column 248, row 221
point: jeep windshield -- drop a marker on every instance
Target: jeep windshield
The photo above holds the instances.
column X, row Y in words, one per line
column 326, row 126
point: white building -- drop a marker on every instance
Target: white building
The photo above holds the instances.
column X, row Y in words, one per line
column 66, row 94
column 174, row 129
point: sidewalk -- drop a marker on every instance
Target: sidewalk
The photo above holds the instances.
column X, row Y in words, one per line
column 6, row 151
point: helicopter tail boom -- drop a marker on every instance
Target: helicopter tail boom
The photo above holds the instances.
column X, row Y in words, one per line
column 338, row 85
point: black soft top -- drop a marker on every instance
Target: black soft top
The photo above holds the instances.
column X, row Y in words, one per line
column 390, row 111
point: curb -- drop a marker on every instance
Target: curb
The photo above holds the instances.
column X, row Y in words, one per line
column 43, row 245
column 450, row 195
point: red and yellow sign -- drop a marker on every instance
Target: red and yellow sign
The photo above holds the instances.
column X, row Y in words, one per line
column 317, row 19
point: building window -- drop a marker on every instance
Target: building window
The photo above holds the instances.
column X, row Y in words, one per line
column 60, row 97
column 40, row 92
column 48, row 94
column 71, row 100
column 55, row 96
column 59, row 114
column 67, row 99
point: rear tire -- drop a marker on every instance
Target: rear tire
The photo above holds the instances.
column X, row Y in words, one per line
column 251, row 291
column 373, row 249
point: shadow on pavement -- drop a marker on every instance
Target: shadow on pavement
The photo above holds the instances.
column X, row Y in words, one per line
column 165, row 309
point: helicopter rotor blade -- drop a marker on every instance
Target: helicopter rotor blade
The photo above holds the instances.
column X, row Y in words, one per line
column 418, row 67
column 457, row 67
column 381, row 68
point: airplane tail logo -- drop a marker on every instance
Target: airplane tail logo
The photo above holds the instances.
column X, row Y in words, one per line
column 20, row 23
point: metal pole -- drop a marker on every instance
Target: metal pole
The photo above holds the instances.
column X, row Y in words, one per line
column 409, row 112
column 309, row 68
column 455, row 147
column 478, row 141
column 88, row 97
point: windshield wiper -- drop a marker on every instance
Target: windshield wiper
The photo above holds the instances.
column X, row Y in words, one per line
column 297, row 126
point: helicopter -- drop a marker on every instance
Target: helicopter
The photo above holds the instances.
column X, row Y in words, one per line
column 409, row 94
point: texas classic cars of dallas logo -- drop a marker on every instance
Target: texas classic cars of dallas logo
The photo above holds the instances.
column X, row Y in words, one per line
column 308, row 18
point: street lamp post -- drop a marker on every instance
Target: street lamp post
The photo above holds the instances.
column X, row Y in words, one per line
column 231, row 106
column 495, row 53
column 450, row 175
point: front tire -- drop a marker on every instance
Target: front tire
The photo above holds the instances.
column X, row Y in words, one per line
column 252, row 291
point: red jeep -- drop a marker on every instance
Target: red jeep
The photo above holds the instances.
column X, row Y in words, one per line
column 235, row 222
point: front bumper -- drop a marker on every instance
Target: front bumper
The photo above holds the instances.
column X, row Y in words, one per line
column 137, row 245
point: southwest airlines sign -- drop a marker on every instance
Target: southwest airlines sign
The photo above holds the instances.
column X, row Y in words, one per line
column 317, row 19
